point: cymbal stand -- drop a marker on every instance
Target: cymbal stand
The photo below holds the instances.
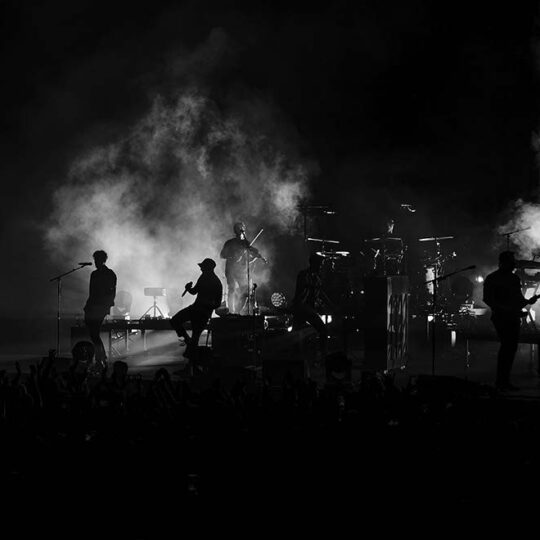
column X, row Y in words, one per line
column 508, row 234
column 58, row 280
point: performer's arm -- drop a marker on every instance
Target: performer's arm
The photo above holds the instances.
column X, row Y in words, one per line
column 225, row 251
column 191, row 289
column 113, row 289
column 219, row 296
column 490, row 298
column 518, row 300
column 256, row 254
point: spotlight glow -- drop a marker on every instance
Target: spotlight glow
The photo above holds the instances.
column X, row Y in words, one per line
column 278, row 299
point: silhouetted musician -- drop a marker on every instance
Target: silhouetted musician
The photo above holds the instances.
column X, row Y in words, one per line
column 238, row 253
column 502, row 293
column 209, row 291
column 306, row 297
column 99, row 303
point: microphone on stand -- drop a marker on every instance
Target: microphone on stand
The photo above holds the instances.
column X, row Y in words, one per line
column 472, row 267
column 85, row 264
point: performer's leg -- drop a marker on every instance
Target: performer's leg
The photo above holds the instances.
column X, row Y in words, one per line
column 305, row 314
column 231, row 293
column 242, row 291
column 316, row 321
column 199, row 320
column 94, row 327
column 508, row 332
column 178, row 320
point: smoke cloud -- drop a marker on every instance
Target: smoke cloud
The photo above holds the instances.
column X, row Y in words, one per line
column 165, row 195
column 525, row 215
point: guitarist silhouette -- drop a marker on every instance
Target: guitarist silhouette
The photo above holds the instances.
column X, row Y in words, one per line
column 502, row 293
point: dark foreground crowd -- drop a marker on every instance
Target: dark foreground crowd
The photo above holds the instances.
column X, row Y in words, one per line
column 117, row 439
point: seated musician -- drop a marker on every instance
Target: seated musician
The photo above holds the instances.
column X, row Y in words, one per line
column 238, row 252
column 502, row 293
column 209, row 292
column 307, row 294
column 388, row 257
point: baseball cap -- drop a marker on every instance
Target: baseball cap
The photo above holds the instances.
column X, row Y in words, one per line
column 208, row 263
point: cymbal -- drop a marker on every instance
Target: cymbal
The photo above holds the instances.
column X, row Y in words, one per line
column 332, row 254
column 323, row 241
column 435, row 238
column 382, row 240
column 527, row 264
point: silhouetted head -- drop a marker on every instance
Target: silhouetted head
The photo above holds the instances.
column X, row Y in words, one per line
column 100, row 258
column 239, row 227
column 120, row 370
column 315, row 262
column 83, row 351
column 207, row 265
column 507, row 261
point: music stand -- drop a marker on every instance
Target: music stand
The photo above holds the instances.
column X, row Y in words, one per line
column 154, row 292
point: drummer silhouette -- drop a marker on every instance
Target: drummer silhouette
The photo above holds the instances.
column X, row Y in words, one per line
column 388, row 254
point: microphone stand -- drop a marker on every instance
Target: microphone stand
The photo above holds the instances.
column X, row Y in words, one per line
column 510, row 233
column 247, row 255
column 58, row 280
column 435, row 281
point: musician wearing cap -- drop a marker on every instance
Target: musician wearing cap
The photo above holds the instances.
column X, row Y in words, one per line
column 238, row 253
column 387, row 251
column 209, row 291
column 502, row 293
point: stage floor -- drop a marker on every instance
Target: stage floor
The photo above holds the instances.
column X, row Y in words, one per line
column 449, row 361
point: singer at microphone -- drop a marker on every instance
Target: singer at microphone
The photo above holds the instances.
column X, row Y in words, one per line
column 209, row 293
column 189, row 286
column 101, row 296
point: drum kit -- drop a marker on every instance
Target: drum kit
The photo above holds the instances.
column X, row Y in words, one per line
column 386, row 255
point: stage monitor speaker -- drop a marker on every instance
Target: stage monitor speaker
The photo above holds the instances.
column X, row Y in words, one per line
column 386, row 322
column 237, row 339
column 288, row 355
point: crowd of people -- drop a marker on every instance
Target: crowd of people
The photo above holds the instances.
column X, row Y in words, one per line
column 133, row 440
